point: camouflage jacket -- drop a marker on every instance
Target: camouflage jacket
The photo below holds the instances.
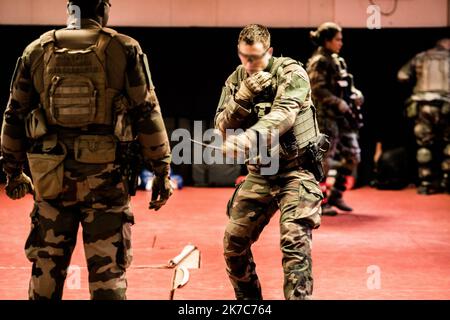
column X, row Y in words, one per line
column 290, row 94
column 429, row 70
column 324, row 76
column 126, row 72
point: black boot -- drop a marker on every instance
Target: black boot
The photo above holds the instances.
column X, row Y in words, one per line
column 336, row 200
column 328, row 210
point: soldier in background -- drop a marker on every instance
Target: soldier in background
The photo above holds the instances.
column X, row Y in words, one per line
column 267, row 94
column 79, row 97
column 429, row 106
column 338, row 103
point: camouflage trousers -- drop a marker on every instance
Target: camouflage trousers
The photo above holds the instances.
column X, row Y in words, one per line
column 95, row 197
column 297, row 195
column 432, row 132
column 344, row 154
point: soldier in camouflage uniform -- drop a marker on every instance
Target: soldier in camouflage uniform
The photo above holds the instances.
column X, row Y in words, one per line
column 78, row 96
column 430, row 107
column 263, row 94
column 325, row 69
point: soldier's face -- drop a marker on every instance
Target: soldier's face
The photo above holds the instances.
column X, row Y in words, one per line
column 335, row 44
column 254, row 57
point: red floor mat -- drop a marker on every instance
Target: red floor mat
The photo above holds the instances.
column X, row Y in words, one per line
column 395, row 245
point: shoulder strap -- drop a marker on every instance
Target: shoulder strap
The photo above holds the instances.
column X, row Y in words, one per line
column 240, row 73
column 282, row 62
column 104, row 38
column 48, row 40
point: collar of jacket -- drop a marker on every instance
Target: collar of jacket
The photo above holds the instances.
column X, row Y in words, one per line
column 324, row 51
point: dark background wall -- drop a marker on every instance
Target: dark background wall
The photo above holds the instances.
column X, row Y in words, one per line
column 190, row 65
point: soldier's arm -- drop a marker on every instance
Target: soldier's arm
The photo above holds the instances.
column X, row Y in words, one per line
column 407, row 71
column 317, row 72
column 148, row 121
column 23, row 98
column 229, row 114
column 293, row 94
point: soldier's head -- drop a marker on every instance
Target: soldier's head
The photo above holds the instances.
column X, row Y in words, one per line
column 92, row 9
column 329, row 36
column 254, row 48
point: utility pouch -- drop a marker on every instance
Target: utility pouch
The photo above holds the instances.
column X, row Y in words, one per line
column 95, row 149
column 47, row 170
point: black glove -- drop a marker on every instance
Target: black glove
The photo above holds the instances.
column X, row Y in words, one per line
column 160, row 187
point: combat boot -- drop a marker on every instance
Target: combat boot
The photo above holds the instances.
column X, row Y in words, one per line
column 328, row 210
column 336, row 200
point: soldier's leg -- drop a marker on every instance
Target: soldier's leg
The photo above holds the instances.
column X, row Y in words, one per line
column 351, row 156
column 425, row 132
column 329, row 127
column 299, row 201
column 107, row 235
column 249, row 210
column 445, row 164
column 107, row 245
column 49, row 247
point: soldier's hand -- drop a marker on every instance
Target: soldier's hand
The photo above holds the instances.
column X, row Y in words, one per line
column 161, row 192
column 358, row 97
column 239, row 145
column 343, row 107
column 17, row 186
column 253, row 85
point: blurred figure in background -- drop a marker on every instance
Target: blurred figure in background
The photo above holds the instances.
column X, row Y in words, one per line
column 429, row 106
column 338, row 105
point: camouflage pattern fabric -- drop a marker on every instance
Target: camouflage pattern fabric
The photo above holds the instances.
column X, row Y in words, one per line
column 430, row 108
column 255, row 201
column 294, row 191
column 432, row 132
column 93, row 195
column 344, row 152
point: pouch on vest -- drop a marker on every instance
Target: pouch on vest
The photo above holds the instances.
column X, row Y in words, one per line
column 35, row 124
column 47, row 170
column 75, row 83
column 72, row 101
column 95, row 149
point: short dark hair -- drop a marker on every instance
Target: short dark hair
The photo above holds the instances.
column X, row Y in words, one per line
column 325, row 32
column 253, row 33
column 88, row 7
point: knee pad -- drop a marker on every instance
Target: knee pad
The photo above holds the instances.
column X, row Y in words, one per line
column 447, row 151
column 422, row 131
column 424, row 156
column 445, row 165
column 425, row 173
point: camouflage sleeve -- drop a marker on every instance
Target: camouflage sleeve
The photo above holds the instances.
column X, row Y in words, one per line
column 229, row 114
column 407, row 71
column 23, row 98
column 293, row 94
column 320, row 88
column 148, row 120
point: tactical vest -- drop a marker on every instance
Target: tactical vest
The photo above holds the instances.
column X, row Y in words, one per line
column 305, row 128
column 433, row 72
column 75, row 83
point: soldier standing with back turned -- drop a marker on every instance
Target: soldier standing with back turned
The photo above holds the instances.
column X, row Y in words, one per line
column 79, row 97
